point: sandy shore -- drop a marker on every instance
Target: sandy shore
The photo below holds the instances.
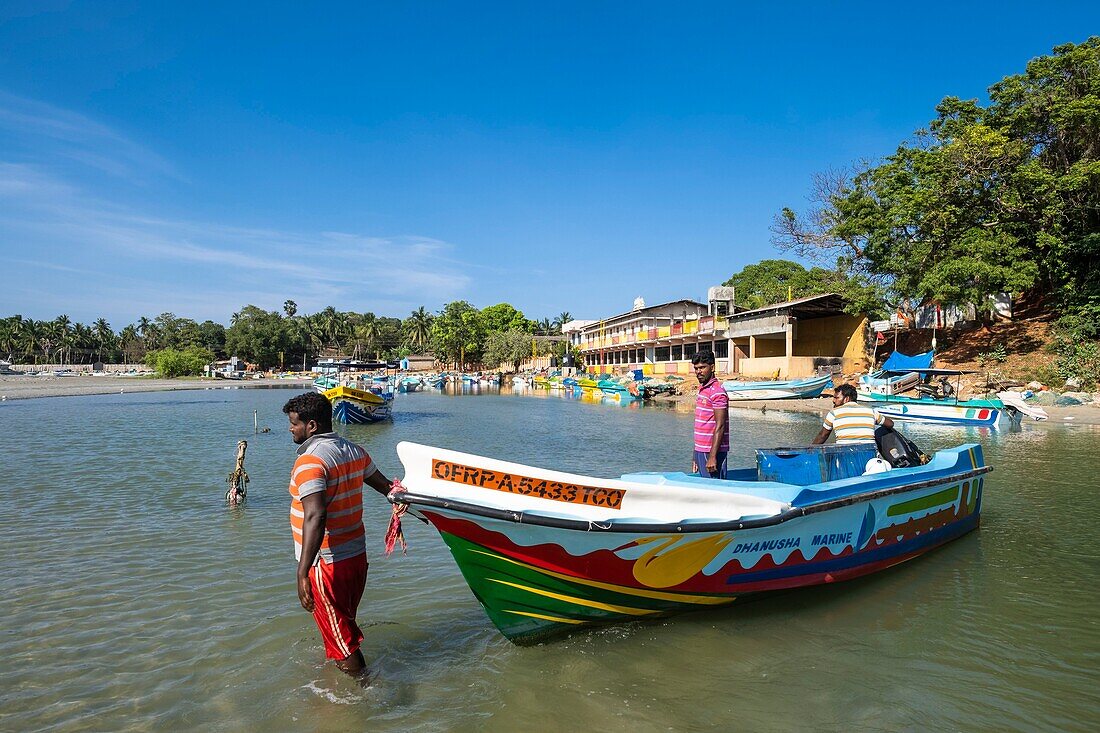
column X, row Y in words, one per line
column 19, row 387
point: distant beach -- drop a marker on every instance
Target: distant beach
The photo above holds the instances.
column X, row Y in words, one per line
column 22, row 386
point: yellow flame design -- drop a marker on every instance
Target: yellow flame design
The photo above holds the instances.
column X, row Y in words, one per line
column 660, row 569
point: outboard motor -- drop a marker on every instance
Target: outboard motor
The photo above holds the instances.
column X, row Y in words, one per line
column 897, row 450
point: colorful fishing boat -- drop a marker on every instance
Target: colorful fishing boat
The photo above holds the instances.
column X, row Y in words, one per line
column 791, row 389
column 587, row 382
column 624, row 390
column 351, row 406
column 975, row 413
column 548, row 552
column 940, row 403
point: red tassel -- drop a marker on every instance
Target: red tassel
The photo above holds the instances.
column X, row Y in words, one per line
column 393, row 532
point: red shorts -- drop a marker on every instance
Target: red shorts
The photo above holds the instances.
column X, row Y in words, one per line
column 337, row 590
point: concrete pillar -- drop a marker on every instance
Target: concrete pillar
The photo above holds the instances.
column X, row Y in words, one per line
column 752, row 347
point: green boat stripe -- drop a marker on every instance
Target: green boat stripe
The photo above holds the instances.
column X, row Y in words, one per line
column 578, row 601
column 651, row 594
column 543, row 616
column 924, row 502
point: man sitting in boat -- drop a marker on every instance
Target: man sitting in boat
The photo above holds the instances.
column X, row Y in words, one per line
column 851, row 421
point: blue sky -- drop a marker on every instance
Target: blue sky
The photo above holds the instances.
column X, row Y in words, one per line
column 196, row 157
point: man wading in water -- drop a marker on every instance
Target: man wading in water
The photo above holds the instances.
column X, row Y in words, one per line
column 326, row 517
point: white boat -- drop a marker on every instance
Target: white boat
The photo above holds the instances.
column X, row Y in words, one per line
column 791, row 389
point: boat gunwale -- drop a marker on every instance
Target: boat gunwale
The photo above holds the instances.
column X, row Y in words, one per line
column 521, row 517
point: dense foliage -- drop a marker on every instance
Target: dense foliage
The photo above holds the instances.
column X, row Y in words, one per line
column 270, row 339
column 775, row 281
column 987, row 199
column 191, row 361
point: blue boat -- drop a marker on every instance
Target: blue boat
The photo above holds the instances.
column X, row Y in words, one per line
column 791, row 389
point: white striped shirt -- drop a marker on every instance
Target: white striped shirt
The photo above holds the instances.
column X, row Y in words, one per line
column 852, row 423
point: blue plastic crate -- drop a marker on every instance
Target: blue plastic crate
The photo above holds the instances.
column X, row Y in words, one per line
column 813, row 464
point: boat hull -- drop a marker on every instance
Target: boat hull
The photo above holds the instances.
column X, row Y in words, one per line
column 974, row 413
column 539, row 578
column 357, row 407
column 785, row 390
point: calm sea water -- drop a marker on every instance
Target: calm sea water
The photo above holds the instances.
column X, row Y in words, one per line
column 134, row 599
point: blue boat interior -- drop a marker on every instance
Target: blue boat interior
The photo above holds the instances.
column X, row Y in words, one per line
column 783, row 474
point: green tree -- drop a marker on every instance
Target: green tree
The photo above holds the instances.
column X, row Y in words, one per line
column 257, row 336
column 290, row 308
column 503, row 317
column 985, row 200
column 458, row 333
column 171, row 363
column 506, row 346
column 418, row 328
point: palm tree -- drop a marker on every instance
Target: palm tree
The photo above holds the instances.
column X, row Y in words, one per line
column 331, row 325
column 544, row 326
column 82, row 338
column 562, row 318
column 9, row 334
column 62, row 333
column 104, row 336
column 30, row 334
column 130, row 341
column 418, row 327
column 366, row 334
column 290, row 308
column 149, row 334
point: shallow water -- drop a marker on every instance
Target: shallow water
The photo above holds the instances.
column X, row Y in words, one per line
column 134, row 599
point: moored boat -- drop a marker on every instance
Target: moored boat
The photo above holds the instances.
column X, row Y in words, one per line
column 352, row 406
column 790, row 389
column 548, row 552
column 940, row 404
column 410, row 384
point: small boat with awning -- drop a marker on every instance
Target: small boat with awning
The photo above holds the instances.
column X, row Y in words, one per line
column 548, row 552
column 897, row 374
column 790, row 389
column 937, row 401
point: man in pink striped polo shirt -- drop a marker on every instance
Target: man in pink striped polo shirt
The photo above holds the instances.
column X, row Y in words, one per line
column 712, row 436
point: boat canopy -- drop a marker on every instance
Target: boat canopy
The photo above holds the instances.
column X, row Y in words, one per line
column 899, row 362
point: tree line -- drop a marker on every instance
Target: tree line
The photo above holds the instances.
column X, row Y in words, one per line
column 988, row 198
column 459, row 333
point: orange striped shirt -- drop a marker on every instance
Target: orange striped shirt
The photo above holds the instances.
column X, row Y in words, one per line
column 326, row 462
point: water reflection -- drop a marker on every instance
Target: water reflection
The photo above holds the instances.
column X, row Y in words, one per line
column 156, row 603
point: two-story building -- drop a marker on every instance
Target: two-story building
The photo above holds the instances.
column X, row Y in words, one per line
column 786, row 340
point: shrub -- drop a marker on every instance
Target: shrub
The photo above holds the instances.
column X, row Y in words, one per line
column 172, row 363
column 1079, row 359
column 996, row 355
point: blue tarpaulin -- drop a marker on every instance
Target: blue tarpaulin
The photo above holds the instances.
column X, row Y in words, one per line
column 899, row 362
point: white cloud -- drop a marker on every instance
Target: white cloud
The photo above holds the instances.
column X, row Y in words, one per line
column 120, row 250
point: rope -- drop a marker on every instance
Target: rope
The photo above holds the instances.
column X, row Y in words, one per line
column 394, row 534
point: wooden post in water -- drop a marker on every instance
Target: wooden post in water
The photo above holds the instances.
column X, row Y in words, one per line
column 238, row 478
column 256, row 421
